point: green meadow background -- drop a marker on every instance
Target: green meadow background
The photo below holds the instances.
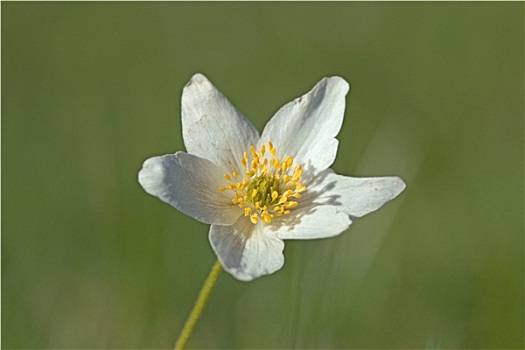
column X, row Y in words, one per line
column 90, row 90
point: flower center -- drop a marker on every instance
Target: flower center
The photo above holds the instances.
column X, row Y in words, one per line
column 269, row 187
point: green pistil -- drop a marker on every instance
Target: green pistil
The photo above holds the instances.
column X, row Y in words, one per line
column 265, row 186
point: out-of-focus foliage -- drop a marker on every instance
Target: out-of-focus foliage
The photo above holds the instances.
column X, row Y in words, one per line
column 90, row 90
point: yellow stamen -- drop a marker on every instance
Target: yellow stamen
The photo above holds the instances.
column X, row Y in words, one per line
column 300, row 188
column 266, row 217
column 291, row 204
column 265, row 188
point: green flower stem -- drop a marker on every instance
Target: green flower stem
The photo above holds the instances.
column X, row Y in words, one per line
column 195, row 313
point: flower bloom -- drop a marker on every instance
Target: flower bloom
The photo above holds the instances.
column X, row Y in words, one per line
column 257, row 190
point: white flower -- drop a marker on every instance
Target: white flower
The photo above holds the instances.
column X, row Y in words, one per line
column 256, row 190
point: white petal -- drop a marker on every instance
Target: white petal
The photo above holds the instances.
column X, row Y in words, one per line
column 311, row 223
column 190, row 184
column 352, row 195
column 305, row 128
column 212, row 127
column 246, row 250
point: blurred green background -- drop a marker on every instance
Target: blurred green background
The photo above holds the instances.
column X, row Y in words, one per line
column 90, row 90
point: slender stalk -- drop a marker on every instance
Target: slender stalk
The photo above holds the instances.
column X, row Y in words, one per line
column 195, row 313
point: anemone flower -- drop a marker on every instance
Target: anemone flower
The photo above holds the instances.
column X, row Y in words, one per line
column 256, row 190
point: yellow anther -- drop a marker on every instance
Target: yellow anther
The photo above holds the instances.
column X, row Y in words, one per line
column 227, row 177
column 252, row 150
column 270, row 145
column 300, row 188
column 275, row 194
column 247, row 211
column 222, row 188
column 291, row 204
column 289, row 161
column 244, row 164
column 254, row 192
column 253, row 218
column 263, row 149
column 235, row 174
column 297, row 173
column 286, row 178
